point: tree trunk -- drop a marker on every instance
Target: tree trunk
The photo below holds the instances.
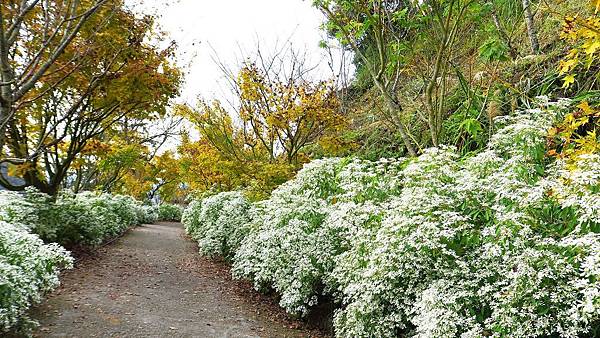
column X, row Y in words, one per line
column 6, row 79
column 533, row 40
column 393, row 107
column 396, row 111
column 511, row 49
column 5, row 113
column 6, row 101
column 77, row 183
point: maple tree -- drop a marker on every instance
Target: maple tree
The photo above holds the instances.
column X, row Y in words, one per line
column 285, row 116
column 577, row 134
column 584, row 36
column 120, row 80
column 127, row 161
column 34, row 34
column 205, row 168
column 228, row 157
column 268, row 135
column 143, row 178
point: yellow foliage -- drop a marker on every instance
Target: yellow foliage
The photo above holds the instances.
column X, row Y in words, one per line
column 584, row 34
column 576, row 135
column 96, row 147
column 18, row 170
column 294, row 114
column 263, row 142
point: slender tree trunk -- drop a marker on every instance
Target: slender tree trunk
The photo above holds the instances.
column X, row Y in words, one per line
column 6, row 97
column 5, row 113
column 503, row 35
column 531, row 31
column 77, row 184
column 396, row 111
column 6, row 79
column 393, row 107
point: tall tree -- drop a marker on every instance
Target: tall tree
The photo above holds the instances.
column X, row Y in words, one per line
column 384, row 34
column 355, row 21
column 277, row 117
column 34, row 34
column 119, row 79
column 127, row 160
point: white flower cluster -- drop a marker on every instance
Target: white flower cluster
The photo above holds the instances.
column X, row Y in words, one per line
column 505, row 243
column 218, row 223
column 148, row 214
column 74, row 219
column 28, row 270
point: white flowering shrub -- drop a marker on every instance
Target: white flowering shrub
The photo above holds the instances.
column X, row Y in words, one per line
column 190, row 217
column 297, row 234
column 86, row 219
column 17, row 210
column 148, row 214
column 505, row 243
column 28, row 270
column 169, row 212
column 218, row 223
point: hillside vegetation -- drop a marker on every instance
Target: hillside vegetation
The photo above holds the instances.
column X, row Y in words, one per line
column 501, row 243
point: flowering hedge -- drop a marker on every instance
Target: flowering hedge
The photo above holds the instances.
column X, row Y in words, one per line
column 85, row 219
column 218, row 223
column 149, row 214
column 28, row 270
column 505, row 243
column 169, row 212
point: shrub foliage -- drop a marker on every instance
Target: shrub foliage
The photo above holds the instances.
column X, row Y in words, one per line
column 218, row 223
column 169, row 212
column 85, row 219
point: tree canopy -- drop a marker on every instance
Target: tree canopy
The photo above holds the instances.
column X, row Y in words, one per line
column 107, row 82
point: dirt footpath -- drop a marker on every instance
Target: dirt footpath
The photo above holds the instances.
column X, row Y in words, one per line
column 153, row 283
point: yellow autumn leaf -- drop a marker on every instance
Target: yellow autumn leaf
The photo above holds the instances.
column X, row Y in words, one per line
column 585, row 107
column 591, row 46
column 568, row 81
column 17, row 170
column 567, row 65
column 13, row 170
column 596, row 5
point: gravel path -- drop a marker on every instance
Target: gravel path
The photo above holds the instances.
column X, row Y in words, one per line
column 153, row 283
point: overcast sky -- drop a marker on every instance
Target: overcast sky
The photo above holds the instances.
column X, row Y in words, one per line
column 232, row 28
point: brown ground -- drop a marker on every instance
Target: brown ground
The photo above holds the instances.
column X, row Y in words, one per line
column 153, row 283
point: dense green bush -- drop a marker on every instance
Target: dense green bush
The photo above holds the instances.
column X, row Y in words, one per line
column 505, row 243
column 149, row 214
column 169, row 212
column 28, row 270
